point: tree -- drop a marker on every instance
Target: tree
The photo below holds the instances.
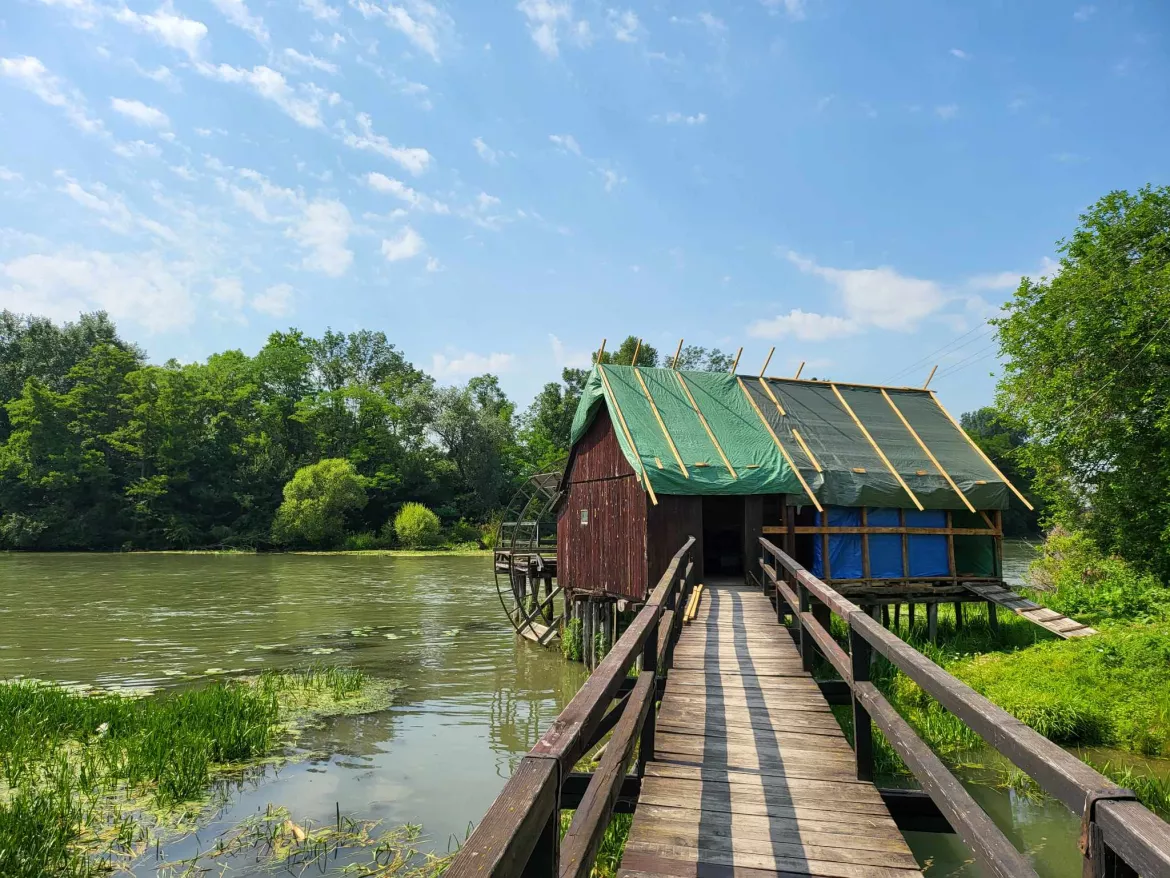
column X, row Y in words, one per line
column 549, row 420
column 624, row 355
column 694, row 358
column 1088, row 377
column 416, row 526
column 1003, row 441
column 316, row 502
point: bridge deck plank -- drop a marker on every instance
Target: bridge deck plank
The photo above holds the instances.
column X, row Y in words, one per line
column 751, row 774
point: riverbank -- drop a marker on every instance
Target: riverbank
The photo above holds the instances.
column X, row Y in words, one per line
column 89, row 782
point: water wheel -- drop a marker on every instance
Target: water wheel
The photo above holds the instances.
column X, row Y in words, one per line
column 525, row 558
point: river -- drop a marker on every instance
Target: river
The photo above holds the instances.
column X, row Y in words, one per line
column 473, row 697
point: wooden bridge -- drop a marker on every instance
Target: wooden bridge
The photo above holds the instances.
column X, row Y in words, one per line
column 727, row 752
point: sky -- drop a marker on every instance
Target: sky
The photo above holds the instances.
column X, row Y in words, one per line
column 499, row 186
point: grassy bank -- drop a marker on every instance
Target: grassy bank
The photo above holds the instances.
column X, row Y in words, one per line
column 88, row 782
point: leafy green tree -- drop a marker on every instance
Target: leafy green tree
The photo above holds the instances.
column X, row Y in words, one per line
column 547, row 423
column 416, row 526
column 1003, row 441
column 624, row 355
column 1088, row 377
column 694, row 358
column 316, row 503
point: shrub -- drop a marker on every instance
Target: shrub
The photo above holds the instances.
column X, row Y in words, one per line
column 1075, row 578
column 464, row 532
column 363, row 542
column 571, row 645
column 416, row 526
column 316, row 501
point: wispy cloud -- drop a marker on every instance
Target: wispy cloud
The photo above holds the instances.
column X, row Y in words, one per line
column 136, row 111
column 549, row 21
column 1084, row 13
column 624, row 25
column 459, row 365
column 414, row 159
column 676, row 118
column 960, row 54
column 405, row 245
column 946, row 112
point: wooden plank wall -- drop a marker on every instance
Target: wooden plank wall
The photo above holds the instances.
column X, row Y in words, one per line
column 668, row 525
column 607, row 555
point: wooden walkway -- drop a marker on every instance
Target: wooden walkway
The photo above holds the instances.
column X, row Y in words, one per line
column 1057, row 623
column 751, row 774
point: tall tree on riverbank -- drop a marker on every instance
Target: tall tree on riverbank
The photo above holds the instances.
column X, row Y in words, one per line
column 1004, row 441
column 1088, row 377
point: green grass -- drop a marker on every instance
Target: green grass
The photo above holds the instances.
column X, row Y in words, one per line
column 613, row 843
column 83, row 777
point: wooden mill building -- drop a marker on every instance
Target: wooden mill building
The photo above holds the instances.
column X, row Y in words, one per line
column 876, row 490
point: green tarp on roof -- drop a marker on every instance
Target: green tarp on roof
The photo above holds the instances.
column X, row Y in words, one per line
column 851, row 471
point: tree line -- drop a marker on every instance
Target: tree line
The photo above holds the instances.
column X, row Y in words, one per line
column 305, row 442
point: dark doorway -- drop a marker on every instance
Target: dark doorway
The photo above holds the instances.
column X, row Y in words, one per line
column 723, row 536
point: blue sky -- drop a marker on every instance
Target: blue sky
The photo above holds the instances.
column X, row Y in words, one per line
column 498, row 186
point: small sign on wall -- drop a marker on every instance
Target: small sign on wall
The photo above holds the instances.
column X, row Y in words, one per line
column 584, row 516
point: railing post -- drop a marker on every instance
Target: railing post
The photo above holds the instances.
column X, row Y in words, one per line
column 546, row 856
column 860, row 654
column 807, row 648
column 649, row 666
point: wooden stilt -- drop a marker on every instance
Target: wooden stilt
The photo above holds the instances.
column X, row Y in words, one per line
column 992, row 618
column 885, row 615
column 909, row 617
column 932, row 622
column 958, row 615
column 897, row 616
column 587, row 633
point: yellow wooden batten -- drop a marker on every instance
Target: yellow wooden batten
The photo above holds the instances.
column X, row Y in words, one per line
column 780, row 445
column 710, row 435
column 661, row 424
column 929, row 453
column 877, row 448
column 629, row 437
column 986, row 459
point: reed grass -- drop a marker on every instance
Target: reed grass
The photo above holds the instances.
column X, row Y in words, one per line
column 80, row 773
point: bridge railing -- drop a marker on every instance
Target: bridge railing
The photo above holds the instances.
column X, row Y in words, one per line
column 1119, row 836
column 520, row 834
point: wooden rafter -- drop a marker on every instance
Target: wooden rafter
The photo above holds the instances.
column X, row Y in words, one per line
column 661, row 424
column 929, row 453
column 807, row 451
column 877, row 448
column 780, row 445
column 629, row 436
column 771, row 351
column 677, row 351
column 768, row 390
column 979, row 451
column 710, row 435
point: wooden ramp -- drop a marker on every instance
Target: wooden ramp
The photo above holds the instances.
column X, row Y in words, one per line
column 751, row 774
column 1057, row 623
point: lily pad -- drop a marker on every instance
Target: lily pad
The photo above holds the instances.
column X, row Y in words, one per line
column 323, row 650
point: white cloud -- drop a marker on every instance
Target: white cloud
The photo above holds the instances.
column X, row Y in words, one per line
column 143, row 114
column 545, row 18
column 228, row 291
column 870, row 297
column 716, row 27
column 405, row 245
column 272, row 86
column 612, row 178
column 276, row 301
column 266, row 201
column 623, row 25
column 140, row 288
column 421, row 24
column 566, row 142
column 946, row 112
column 961, row 55
column 794, row 8
column 486, row 202
column 32, row 75
column 237, row 12
column 310, row 60
column 323, row 230
column 390, row 186
column 468, row 364
column 566, row 359
column 321, row 10
column 412, row 158
column 136, row 149
column 803, row 326
column 168, row 27
column 1084, row 13
column 486, row 153
column 8, row 175
column 676, row 118
column 112, row 209
column 1005, row 281
column 433, row 264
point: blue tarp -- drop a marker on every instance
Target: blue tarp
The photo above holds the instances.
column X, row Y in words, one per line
column 927, row 553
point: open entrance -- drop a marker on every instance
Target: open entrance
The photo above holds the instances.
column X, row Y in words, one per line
column 723, row 537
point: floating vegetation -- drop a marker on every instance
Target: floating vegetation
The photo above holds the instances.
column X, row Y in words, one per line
column 323, row 650
column 90, row 781
column 274, row 841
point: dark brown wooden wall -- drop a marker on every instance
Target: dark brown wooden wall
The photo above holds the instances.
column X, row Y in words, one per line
column 668, row 525
column 607, row 555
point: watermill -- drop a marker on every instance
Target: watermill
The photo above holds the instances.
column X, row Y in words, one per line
column 525, row 559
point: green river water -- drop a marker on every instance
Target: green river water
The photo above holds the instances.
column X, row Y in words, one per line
column 473, row 697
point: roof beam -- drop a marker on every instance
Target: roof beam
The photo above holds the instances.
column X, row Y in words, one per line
column 922, row 445
column 877, row 448
column 661, row 424
column 986, row 459
column 710, row 435
column 780, row 445
column 629, row 436
column 807, row 451
column 768, row 390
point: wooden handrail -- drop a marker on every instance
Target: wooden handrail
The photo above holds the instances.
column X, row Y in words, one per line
column 520, row 834
column 1117, row 830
